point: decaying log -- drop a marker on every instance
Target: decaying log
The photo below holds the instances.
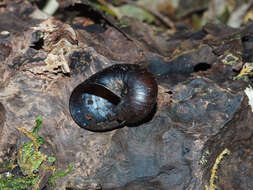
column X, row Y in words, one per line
column 201, row 110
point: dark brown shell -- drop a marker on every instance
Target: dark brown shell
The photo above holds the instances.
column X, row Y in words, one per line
column 119, row 95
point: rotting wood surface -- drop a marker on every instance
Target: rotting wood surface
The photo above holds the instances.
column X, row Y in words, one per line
column 201, row 110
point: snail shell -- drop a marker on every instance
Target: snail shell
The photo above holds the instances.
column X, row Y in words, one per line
column 122, row 94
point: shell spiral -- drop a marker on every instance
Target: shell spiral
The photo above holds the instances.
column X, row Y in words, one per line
column 122, row 94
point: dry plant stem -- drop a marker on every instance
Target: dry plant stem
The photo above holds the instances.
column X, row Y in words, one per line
column 30, row 136
column 166, row 21
column 212, row 186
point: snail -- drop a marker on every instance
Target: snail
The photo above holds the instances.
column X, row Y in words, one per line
column 119, row 95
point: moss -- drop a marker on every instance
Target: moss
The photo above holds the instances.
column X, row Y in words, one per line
column 204, row 156
column 230, row 59
column 20, row 183
column 60, row 174
column 31, row 161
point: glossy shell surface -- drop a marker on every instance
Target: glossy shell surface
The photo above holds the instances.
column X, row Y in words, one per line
column 122, row 94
